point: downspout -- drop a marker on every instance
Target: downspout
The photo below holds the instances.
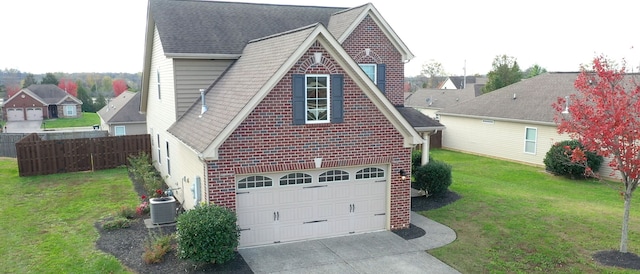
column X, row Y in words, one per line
column 425, row 146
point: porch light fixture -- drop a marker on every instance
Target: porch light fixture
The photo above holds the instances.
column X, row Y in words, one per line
column 403, row 175
column 566, row 105
column 317, row 57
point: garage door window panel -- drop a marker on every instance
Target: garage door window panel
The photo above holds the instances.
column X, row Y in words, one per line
column 255, row 182
column 295, row 179
column 334, row 176
column 370, row 172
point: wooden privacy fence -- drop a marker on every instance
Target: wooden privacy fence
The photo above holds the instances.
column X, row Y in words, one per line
column 40, row 157
column 8, row 140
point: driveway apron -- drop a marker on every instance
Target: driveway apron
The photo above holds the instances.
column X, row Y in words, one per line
column 375, row 252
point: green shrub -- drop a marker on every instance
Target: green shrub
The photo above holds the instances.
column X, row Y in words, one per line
column 116, row 223
column 416, row 160
column 155, row 247
column 434, row 177
column 558, row 160
column 207, row 234
column 126, row 212
column 143, row 172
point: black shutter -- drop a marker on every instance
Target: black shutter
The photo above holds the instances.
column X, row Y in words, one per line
column 381, row 77
column 298, row 102
column 337, row 98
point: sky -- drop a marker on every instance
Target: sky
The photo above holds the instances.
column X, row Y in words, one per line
column 40, row 36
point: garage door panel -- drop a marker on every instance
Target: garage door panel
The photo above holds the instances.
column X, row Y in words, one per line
column 15, row 114
column 317, row 208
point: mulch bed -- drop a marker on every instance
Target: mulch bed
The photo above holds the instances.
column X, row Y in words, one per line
column 616, row 258
column 423, row 203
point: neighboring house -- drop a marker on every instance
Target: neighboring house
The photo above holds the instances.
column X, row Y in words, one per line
column 460, row 82
column 431, row 101
column 285, row 114
column 513, row 123
column 38, row 102
column 121, row 116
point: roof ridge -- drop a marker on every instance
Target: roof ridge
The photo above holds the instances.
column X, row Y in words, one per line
column 284, row 33
column 350, row 9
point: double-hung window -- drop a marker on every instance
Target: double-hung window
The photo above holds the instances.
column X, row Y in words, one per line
column 317, row 98
column 530, row 140
column 370, row 70
column 69, row 111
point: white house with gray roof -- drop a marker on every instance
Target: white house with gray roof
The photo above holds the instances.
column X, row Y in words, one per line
column 513, row 123
column 121, row 115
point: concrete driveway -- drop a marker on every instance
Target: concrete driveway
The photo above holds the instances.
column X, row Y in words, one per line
column 22, row 126
column 375, row 252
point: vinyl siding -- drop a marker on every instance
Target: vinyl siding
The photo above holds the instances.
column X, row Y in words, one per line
column 504, row 140
column 193, row 75
column 160, row 112
column 130, row 128
column 185, row 166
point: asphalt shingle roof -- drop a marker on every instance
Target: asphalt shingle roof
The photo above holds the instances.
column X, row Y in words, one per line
column 49, row 93
column 211, row 27
column 227, row 97
column 123, row 109
column 533, row 99
column 418, row 120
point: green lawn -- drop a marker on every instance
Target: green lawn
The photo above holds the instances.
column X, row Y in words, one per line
column 47, row 222
column 515, row 218
column 88, row 119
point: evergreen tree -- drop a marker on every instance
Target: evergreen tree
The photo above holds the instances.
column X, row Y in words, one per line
column 87, row 102
column 505, row 72
column 49, row 78
column 101, row 101
column 30, row 79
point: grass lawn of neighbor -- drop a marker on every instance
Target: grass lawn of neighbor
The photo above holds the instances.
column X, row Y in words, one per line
column 88, row 119
column 515, row 218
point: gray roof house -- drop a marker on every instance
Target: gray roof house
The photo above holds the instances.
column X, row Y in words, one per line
column 430, row 101
column 121, row 115
column 281, row 110
column 38, row 102
column 513, row 123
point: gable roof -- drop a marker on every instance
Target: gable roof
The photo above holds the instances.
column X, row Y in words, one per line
column 123, row 109
column 343, row 23
column 263, row 64
column 212, row 27
column 439, row 98
column 532, row 103
column 47, row 94
column 220, row 30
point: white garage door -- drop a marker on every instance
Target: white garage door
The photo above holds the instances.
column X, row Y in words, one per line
column 15, row 114
column 34, row 113
column 274, row 208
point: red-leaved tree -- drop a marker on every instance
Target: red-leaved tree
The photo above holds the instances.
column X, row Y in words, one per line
column 119, row 86
column 69, row 86
column 12, row 90
column 604, row 115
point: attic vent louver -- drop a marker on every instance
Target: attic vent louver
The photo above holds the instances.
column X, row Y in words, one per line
column 204, row 104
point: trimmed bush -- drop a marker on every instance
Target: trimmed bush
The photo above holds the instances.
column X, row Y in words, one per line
column 416, row 160
column 207, row 234
column 558, row 160
column 434, row 177
column 116, row 223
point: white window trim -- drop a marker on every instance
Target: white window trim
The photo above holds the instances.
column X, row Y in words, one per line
column 168, row 159
column 72, row 108
column 375, row 71
column 306, row 105
column 159, row 149
column 534, row 141
column 115, row 130
column 158, row 82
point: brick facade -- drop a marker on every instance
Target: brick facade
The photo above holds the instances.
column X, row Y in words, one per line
column 267, row 141
column 381, row 51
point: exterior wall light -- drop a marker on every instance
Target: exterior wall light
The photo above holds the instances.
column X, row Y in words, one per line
column 403, row 175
